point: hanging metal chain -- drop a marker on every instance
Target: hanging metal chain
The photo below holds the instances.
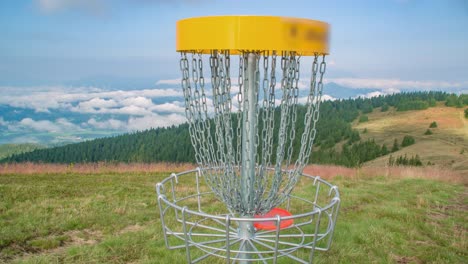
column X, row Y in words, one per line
column 265, row 109
column 215, row 83
column 317, row 100
column 323, row 67
column 285, row 64
column 219, row 149
column 228, row 153
column 246, row 150
column 271, row 109
column 196, row 103
column 205, row 125
column 273, row 194
column 295, row 66
column 187, row 91
column 228, row 109
column 257, row 106
column 239, row 105
column 263, row 153
column 306, row 139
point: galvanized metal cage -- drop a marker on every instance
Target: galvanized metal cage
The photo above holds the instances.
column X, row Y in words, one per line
column 195, row 220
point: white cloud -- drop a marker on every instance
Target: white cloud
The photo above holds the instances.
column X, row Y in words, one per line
column 325, row 97
column 28, row 124
column 150, row 93
column 139, row 106
column 373, row 94
column 94, row 104
column 92, row 100
column 135, row 109
column 234, row 81
column 137, row 101
column 40, row 125
column 146, row 122
column 131, row 110
column 395, row 84
column 112, row 124
column 66, row 125
column 174, row 107
column 89, row 99
column 169, row 82
column 138, row 123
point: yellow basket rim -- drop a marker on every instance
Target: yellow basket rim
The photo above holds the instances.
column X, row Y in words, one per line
column 239, row 33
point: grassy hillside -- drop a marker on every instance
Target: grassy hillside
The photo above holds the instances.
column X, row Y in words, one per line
column 113, row 218
column 6, row 150
column 446, row 147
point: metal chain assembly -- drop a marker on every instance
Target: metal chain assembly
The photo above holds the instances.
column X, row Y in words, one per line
column 245, row 135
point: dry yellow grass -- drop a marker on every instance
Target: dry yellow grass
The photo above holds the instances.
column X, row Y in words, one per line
column 394, row 172
column 451, row 123
column 447, row 147
column 93, row 168
column 324, row 171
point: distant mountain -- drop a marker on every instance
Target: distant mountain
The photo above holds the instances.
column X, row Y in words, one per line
column 172, row 144
column 342, row 92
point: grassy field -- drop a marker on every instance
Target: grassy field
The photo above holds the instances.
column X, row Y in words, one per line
column 82, row 216
column 447, row 147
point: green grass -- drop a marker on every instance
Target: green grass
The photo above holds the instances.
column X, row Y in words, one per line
column 113, row 218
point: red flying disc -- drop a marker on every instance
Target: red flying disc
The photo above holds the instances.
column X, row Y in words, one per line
column 271, row 225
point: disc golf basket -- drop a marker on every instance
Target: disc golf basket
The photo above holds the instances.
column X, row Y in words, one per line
column 252, row 125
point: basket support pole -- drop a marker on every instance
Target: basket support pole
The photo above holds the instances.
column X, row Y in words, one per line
column 246, row 228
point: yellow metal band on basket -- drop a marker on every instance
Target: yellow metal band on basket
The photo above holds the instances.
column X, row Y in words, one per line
column 252, row 33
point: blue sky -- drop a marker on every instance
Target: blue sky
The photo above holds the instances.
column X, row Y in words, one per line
column 72, row 70
column 48, row 42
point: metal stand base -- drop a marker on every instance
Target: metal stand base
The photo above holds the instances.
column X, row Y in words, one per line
column 193, row 218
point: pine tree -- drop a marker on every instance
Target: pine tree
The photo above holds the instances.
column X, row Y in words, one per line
column 407, row 141
column 395, row 145
column 384, row 151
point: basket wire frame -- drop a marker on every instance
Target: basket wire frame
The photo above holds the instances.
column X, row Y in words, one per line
column 211, row 230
